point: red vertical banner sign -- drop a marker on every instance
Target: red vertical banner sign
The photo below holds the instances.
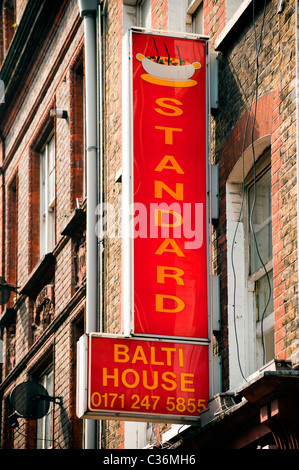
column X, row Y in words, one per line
column 170, row 185
column 160, row 368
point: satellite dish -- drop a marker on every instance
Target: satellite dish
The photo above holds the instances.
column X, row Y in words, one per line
column 31, row 400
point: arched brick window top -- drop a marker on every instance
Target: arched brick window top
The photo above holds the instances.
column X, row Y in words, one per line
column 241, row 138
column 245, row 161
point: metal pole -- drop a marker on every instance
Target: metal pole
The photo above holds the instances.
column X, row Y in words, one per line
column 88, row 10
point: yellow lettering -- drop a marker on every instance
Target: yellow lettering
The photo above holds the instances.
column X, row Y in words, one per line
column 153, row 358
column 164, row 247
column 170, row 378
column 180, row 305
column 114, row 377
column 158, row 218
column 176, row 274
column 121, row 350
column 164, row 165
column 139, row 355
column 181, row 358
column 178, row 194
column 175, row 111
column 145, row 380
column 168, row 133
column 185, row 382
column 168, row 354
column 124, row 378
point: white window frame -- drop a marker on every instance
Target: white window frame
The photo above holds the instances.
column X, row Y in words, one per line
column 47, row 197
column 265, row 326
column 44, row 425
column 138, row 435
column 195, row 16
column 136, row 13
column 245, row 351
column 144, row 14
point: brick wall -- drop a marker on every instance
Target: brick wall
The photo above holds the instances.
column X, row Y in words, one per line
column 113, row 89
column 159, row 10
column 112, row 431
column 33, row 347
column 275, row 117
column 214, row 18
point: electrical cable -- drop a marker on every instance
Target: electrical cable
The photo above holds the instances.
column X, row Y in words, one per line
column 254, row 173
column 254, row 98
column 232, row 251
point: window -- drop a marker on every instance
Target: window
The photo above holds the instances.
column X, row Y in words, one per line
column 44, row 426
column 144, row 10
column 195, row 16
column 136, row 13
column 12, row 236
column 138, row 435
column 77, row 131
column 250, row 264
column 197, row 20
column 47, row 197
column 260, row 263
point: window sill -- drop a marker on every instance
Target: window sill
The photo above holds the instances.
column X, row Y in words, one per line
column 40, row 276
column 78, row 218
column 8, row 317
column 234, row 26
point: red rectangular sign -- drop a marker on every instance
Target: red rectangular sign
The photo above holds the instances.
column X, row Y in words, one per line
column 136, row 378
column 170, row 190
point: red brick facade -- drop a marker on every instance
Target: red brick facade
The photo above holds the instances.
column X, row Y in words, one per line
column 42, row 323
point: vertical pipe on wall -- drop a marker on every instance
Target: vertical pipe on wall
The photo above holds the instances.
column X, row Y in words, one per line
column 88, row 11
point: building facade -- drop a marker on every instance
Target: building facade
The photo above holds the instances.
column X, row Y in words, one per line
column 62, row 146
